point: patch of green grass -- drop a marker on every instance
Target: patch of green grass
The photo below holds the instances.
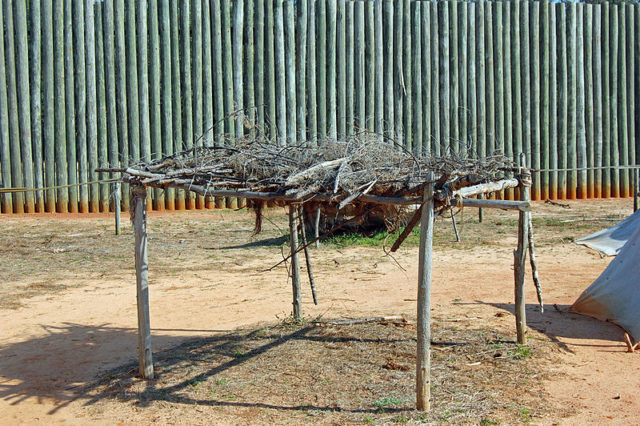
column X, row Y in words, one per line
column 388, row 401
column 368, row 418
column 488, row 422
column 222, row 381
column 401, row 419
column 525, row 415
column 520, row 352
column 239, row 353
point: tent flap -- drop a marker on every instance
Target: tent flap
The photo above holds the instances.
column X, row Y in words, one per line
column 615, row 295
column 610, row 241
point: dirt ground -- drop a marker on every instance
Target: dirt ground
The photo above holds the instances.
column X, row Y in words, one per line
column 68, row 325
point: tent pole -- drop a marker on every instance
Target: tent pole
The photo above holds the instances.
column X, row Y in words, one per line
column 423, row 356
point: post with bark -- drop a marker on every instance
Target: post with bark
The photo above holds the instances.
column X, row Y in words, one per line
column 295, row 264
column 520, row 261
column 423, row 356
column 139, row 218
column 116, row 206
column 636, row 178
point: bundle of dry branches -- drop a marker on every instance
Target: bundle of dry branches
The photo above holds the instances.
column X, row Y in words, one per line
column 339, row 171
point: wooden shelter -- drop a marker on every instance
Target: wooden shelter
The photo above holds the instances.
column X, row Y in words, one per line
column 363, row 174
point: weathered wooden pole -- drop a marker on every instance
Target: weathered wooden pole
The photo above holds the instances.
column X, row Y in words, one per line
column 92, row 102
column 269, row 80
column 312, row 121
column 425, row 24
column 180, row 24
column 301, row 70
column 359, row 112
column 406, row 122
column 280, row 82
column 138, row 202
column 34, row 70
column 331, row 22
column 636, row 179
column 295, row 264
column 553, row 101
column 24, row 110
column 398, row 87
column 520, row 256
column 207, row 80
column 349, row 64
column 581, row 123
column 249, row 59
column 166, row 91
column 116, row 206
column 121, row 105
column 369, row 65
column 133, row 111
column 481, row 138
column 623, row 140
column 155, row 96
column 379, row 69
column 238, row 45
column 143, row 93
column 62, row 198
column 307, row 256
column 341, row 70
column 218, row 87
column 417, row 84
column 101, row 101
column 12, row 105
column 388, row 67
column 5, row 149
column 563, row 101
column 321, row 68
column 597, row 100
column 290, row 69
column 423, row 356
column 606, row 101
column 435, row 78
column 536, row 96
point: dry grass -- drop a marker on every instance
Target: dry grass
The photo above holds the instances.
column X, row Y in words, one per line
column 327, row 373
column 68, row 253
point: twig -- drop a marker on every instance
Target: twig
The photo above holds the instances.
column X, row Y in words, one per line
column 555, row 203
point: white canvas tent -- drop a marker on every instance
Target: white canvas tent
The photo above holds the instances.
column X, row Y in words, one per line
column 615, row 295
column 610, row 241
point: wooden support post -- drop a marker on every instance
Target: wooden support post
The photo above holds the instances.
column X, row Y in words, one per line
column 423, row 356
column 455, row 225
column 138, row 204
column 520, row 256
column 295, row 264
column 636, row 178
column 307, row 256
column 317, row 227
column 116, row 207
column 533, row 262
column 480, row 211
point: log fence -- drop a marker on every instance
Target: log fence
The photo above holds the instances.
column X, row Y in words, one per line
column 87, row 84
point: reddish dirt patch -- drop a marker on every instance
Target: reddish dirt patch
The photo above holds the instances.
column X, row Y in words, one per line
column 67, row 314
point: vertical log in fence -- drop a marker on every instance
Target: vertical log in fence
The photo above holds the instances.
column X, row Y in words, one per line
column 88, row 84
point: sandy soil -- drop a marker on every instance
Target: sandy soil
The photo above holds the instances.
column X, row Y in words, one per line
column 68, row 308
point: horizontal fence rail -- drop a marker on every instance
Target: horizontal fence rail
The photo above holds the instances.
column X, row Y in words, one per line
column 88, row 84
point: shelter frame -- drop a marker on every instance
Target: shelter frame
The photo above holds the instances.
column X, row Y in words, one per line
column 427, row 216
